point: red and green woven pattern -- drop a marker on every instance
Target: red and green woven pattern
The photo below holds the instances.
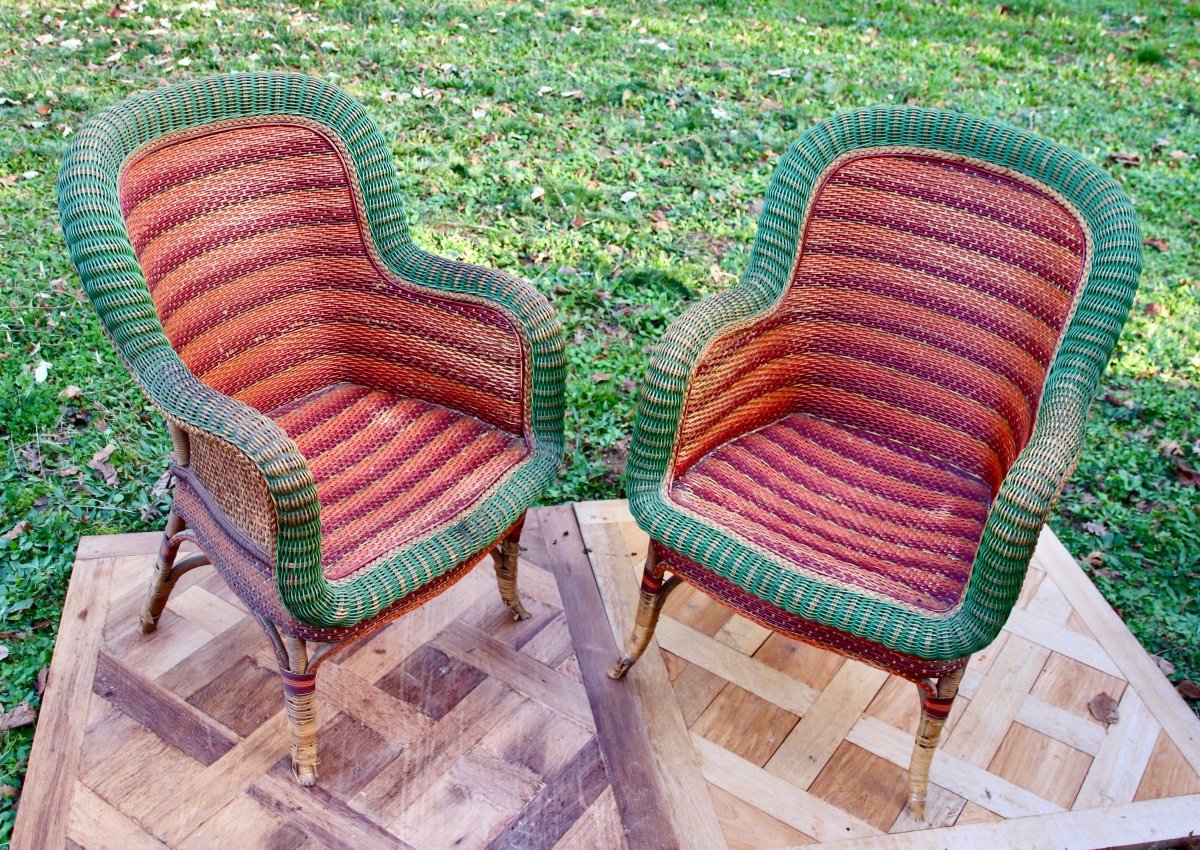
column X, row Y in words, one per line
column 263, row 211
column 869, row 431
column 267, row 288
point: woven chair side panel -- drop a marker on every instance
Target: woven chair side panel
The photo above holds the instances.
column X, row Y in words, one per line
column 1040, row 468
column 239, row 491
column 254, row 253
column 926, row 303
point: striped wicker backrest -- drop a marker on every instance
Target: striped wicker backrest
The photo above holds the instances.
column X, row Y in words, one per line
column 255, row 247
column 926, row 302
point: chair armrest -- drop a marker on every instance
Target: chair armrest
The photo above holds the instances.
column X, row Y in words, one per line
column 542, row 370
column 674, row 360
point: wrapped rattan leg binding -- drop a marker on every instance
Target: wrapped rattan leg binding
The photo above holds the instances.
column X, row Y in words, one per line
column 650, row 602
column 505, row 556
column 934, row 711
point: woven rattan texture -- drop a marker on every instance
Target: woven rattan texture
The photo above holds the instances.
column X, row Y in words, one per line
column 954, row 276
column 507, row 347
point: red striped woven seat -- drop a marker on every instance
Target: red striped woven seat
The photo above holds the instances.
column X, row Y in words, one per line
column 846, row 506
column 390, row 470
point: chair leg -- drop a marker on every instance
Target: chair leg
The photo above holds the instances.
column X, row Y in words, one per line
column 300, row 699
column 162, row 582
column 650, row 602
column 934, row 711
column 506, row 555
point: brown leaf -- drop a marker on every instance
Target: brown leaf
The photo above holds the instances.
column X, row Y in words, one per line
column 8, row 791
column 22, row 715
column 1185, row 473
column 1153, row 309
column 1094, row 558
column 1104, row 708
column 71, row 392
column 116, row 11
column 601, row 377
column 1167, row 668
column 1129, row 159
column 100, row 464
column 1188, row 689
column 1158, row 244
column 577, row 222
column 17, row 530
column 42, row 677
column 1097, row 528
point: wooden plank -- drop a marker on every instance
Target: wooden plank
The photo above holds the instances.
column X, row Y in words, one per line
column 1167, row 774
column 733, row 666
column 862, row 784
column 206, row 609
column 518, row 670
column 781, row 800
column 984, row 724
column 1161, row 823
column 599, row 827
column 749, row 828
column 43, row 816
column 559, row 804
column 805, row 751
column 967, row 780
column 393, row 718
column 621, row 729
column 1041, row 764
column 1058, row 638
column 95, row 823
column 675, row 763
column 1135, row 664
column 320, row 815
column 746, row 636
column 1060, row 725
column 94, row 547
column 764, row 725
column 244, row 823
column 162, row 712
column 1121, row 762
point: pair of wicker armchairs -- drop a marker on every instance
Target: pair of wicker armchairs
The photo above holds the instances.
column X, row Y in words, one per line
column 856, row 446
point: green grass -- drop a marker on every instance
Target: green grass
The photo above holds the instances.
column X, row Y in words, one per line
column 685, row 105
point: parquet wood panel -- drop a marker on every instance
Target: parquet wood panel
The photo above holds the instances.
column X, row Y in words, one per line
column 456, row 727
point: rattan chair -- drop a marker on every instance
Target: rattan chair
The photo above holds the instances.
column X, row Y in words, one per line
column 857, row 446
column 356, row 423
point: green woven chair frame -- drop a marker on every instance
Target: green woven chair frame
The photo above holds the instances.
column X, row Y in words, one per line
column 869, row 214
column 243, row 241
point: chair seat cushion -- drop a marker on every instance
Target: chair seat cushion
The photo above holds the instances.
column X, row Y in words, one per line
column 390, row 470
column 845, row 507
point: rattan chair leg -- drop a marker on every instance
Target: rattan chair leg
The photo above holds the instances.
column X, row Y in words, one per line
column 162, row 582
column 506, row 555
column 300, row 699
column 934, row 711
column 650, row 602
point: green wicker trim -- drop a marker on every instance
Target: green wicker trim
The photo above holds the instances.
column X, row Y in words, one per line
column 100, row 248
column 1041, row 469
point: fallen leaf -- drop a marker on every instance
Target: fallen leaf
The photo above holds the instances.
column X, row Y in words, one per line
column 1188, row 689
column 100, row 464
column 1104, row 708
column 116, row 11
column 601, row 377
column 577, row 222
column 1185, row 473
column 537, row 193
column 1094, row 558
column 17, row 530
column 3, row 652
column 149, row 512
column 626, row 197
column 41, row 372
column 779, row 72
column 71, row 392
column 1153, row 309
column 70, row 44
column 1167, row 668
column 8, row 791
column 1129, row 159
column 1158, row 244
column 22, row 715
column 1097, row 528
column 1179, row 156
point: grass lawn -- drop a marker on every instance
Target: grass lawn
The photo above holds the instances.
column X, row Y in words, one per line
column 616, row 157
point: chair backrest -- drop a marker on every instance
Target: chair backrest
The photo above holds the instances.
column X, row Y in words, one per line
column 927, row 289
column 261, row 210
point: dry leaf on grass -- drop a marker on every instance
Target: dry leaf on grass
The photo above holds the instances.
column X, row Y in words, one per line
column 22, row 715
column 100, row 464
column 1188, row 689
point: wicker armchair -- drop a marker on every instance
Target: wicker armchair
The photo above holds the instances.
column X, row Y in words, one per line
column 356, row 423
column 857, row 446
